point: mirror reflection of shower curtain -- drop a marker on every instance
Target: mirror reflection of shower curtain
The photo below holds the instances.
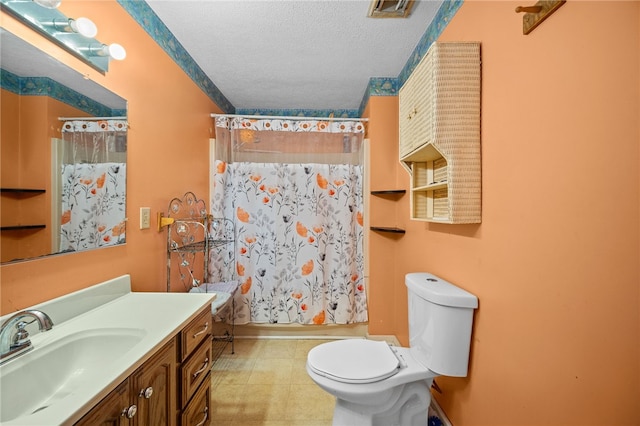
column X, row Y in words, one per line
column 93, row 162
column 294, row 189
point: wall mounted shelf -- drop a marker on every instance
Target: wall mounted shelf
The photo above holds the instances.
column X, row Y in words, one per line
column 22, row 191
column 21, row 227
column 385, row 193
column 15, row 194
column 387, row 229
column 389, row 192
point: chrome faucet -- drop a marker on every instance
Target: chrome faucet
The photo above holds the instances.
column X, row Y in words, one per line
column 15, row 341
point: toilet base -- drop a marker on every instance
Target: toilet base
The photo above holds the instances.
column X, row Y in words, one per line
column 408, row 405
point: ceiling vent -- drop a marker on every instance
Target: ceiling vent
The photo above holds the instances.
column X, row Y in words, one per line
column 390, row 8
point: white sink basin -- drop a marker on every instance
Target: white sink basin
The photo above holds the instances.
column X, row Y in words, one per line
column 100, row 336
column 39, row 379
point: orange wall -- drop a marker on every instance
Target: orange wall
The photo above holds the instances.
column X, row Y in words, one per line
column 555, row 262
column 382, row 112
column 167, row 156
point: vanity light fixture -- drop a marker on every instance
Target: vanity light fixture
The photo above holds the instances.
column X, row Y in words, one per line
column 83, row 26
column 49, row 4
column 77, row 36
column 113, row 51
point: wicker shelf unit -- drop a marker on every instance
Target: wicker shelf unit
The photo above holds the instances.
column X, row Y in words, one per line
column 440, row 134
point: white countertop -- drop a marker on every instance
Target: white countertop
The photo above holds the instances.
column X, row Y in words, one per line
column 160, row 315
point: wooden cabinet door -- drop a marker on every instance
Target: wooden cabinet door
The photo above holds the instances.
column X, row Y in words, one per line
column 153, row 388
column 111, row 411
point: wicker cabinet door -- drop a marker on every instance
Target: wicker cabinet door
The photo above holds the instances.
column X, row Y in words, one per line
column 416, row 108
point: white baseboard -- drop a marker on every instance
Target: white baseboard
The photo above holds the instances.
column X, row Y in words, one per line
column 297, row 331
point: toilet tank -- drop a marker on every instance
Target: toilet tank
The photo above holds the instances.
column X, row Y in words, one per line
column 440, row 321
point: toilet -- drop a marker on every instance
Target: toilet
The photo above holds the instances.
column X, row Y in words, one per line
column 377, row 384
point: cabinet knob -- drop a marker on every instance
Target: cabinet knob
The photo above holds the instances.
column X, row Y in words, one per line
column 129, row 412
column 146, row 393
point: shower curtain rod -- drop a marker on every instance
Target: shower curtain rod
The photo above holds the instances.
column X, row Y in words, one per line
column 91, row 118
column 272, row 117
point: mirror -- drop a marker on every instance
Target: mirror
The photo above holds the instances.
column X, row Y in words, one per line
column 36, row 90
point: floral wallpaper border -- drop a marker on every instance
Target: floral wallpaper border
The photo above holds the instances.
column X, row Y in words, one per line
column 311, row 113
column 378, row 86
column 439, row 23
column 44, row 86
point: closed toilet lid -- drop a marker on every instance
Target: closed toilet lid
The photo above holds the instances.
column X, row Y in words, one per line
column 354, row 361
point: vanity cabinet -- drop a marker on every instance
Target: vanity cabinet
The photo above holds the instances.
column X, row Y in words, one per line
column 195, row 356
column 147, row 397
column 439, row 145
column 111, row 411
column 155, row 387
column 171, row 388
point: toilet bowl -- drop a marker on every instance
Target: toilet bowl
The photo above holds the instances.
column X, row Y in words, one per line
column 376, row 384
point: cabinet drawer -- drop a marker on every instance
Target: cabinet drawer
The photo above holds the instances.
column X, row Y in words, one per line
column 194, row 371
column 198, row 412
column 194, row 333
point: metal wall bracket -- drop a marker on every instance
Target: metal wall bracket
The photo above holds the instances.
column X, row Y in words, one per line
column 164, row 221
column 534, row 15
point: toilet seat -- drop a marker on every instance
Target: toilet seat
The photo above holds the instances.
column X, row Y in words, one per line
column 354, row 361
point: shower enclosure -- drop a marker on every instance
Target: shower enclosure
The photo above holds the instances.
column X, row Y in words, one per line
column 294, row 188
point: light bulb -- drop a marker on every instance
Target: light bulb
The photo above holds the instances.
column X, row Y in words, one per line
column 84, row 26
column 49, row 4
column 116, row 51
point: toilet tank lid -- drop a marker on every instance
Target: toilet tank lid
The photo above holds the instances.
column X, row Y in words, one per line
column 439, row 291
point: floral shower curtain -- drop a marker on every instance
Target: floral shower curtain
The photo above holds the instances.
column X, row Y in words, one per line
column 93, row 173
column 299, row 235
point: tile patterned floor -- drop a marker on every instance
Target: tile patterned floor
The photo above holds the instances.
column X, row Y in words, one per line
column 265, row 383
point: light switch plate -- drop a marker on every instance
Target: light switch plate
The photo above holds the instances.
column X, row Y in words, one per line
column 145, row 217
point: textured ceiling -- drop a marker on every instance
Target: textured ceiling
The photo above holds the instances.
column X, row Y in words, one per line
column 286, row 54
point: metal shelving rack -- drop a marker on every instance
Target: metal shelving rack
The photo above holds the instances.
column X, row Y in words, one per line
column 192, row 232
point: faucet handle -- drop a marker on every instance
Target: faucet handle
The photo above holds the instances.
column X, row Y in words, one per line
column 22, row 335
